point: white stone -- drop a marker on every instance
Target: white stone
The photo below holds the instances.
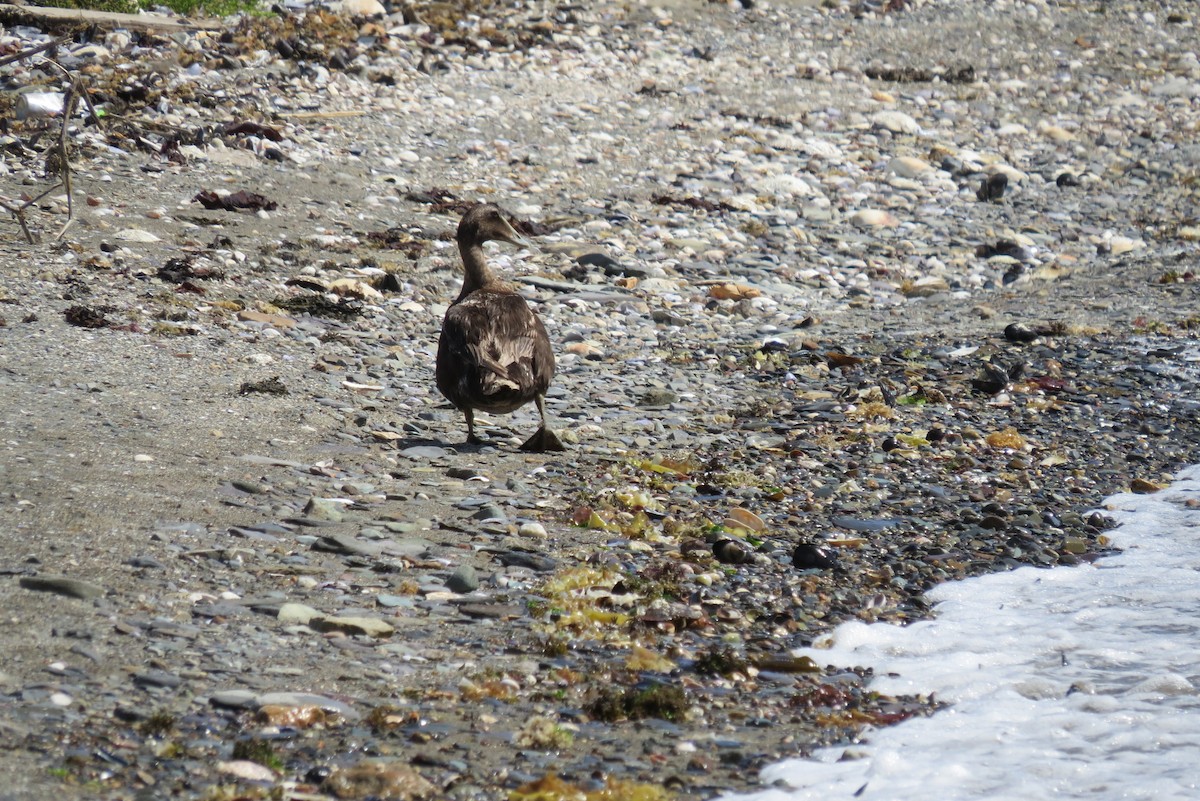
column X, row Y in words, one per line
column 1175, row 87
column 908, row 167
column 895, row 121
column 296, row 613
column 534, row 530
column 905, row 183
column 136, row 235
column 873, row 218
column 246, row 770
column 925, row 286
column 787, row 141
column 1012, row 129
column 1123, row 244
column 1129, row 99
column 744, row 202
column 1056, row 133
column 234, row 157
column 783, row 186
column 823, row 148
column 360, row 8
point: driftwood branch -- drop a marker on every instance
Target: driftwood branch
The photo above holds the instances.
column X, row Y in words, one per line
column 33, row 51
column 47, row 17
column 64, row 163
column 19, row 212
column 75, row 91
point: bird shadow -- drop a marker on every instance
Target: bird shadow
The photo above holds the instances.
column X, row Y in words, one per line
column 460, row 446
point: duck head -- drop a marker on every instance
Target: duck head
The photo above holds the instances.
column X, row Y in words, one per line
column 486, row 223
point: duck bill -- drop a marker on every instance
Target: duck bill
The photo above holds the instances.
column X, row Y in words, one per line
column 513, row 238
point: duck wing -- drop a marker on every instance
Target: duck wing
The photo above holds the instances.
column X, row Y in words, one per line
column 494, row 353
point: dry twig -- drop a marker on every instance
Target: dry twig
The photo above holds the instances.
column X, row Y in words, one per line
column 19, row 212
column 75, row 91
column 33, row 51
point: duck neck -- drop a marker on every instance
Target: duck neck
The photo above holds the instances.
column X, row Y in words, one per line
column 476, row 273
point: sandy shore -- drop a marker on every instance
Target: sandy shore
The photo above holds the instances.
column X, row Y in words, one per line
column 795, row 342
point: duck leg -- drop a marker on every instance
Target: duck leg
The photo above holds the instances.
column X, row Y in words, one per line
column 543, row 440
column 470, row 415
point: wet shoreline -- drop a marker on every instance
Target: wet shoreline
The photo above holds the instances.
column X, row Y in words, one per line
column 786, row 388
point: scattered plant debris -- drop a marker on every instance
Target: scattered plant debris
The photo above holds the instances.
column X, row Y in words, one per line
column 158, row 724
column 259, row 751
column 396, row 238
column 961, row 74
column 321, row 306
column 235, row 201
column 431, row 196
column 531, row 228
column 661, row 701
column 267, row 386
column 691, row 203
column 720, row 662
column 652, row 89
column 552, row 788
column 249, row 128
column 181, row 270
column 86, row 317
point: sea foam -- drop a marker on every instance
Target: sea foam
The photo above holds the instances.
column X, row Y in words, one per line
column 1070, row 683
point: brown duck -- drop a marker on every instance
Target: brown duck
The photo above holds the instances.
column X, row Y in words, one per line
column 494, row 353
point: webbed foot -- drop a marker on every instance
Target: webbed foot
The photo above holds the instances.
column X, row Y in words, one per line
column 543, row 441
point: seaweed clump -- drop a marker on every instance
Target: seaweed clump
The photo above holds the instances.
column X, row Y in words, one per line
column 662, row 701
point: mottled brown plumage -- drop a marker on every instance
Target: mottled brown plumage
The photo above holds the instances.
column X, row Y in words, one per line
column 494, row 353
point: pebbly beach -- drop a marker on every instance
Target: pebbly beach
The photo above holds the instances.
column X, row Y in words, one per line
column 847, row 299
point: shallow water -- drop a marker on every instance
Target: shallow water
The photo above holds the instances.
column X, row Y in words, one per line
column 1073, row 683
